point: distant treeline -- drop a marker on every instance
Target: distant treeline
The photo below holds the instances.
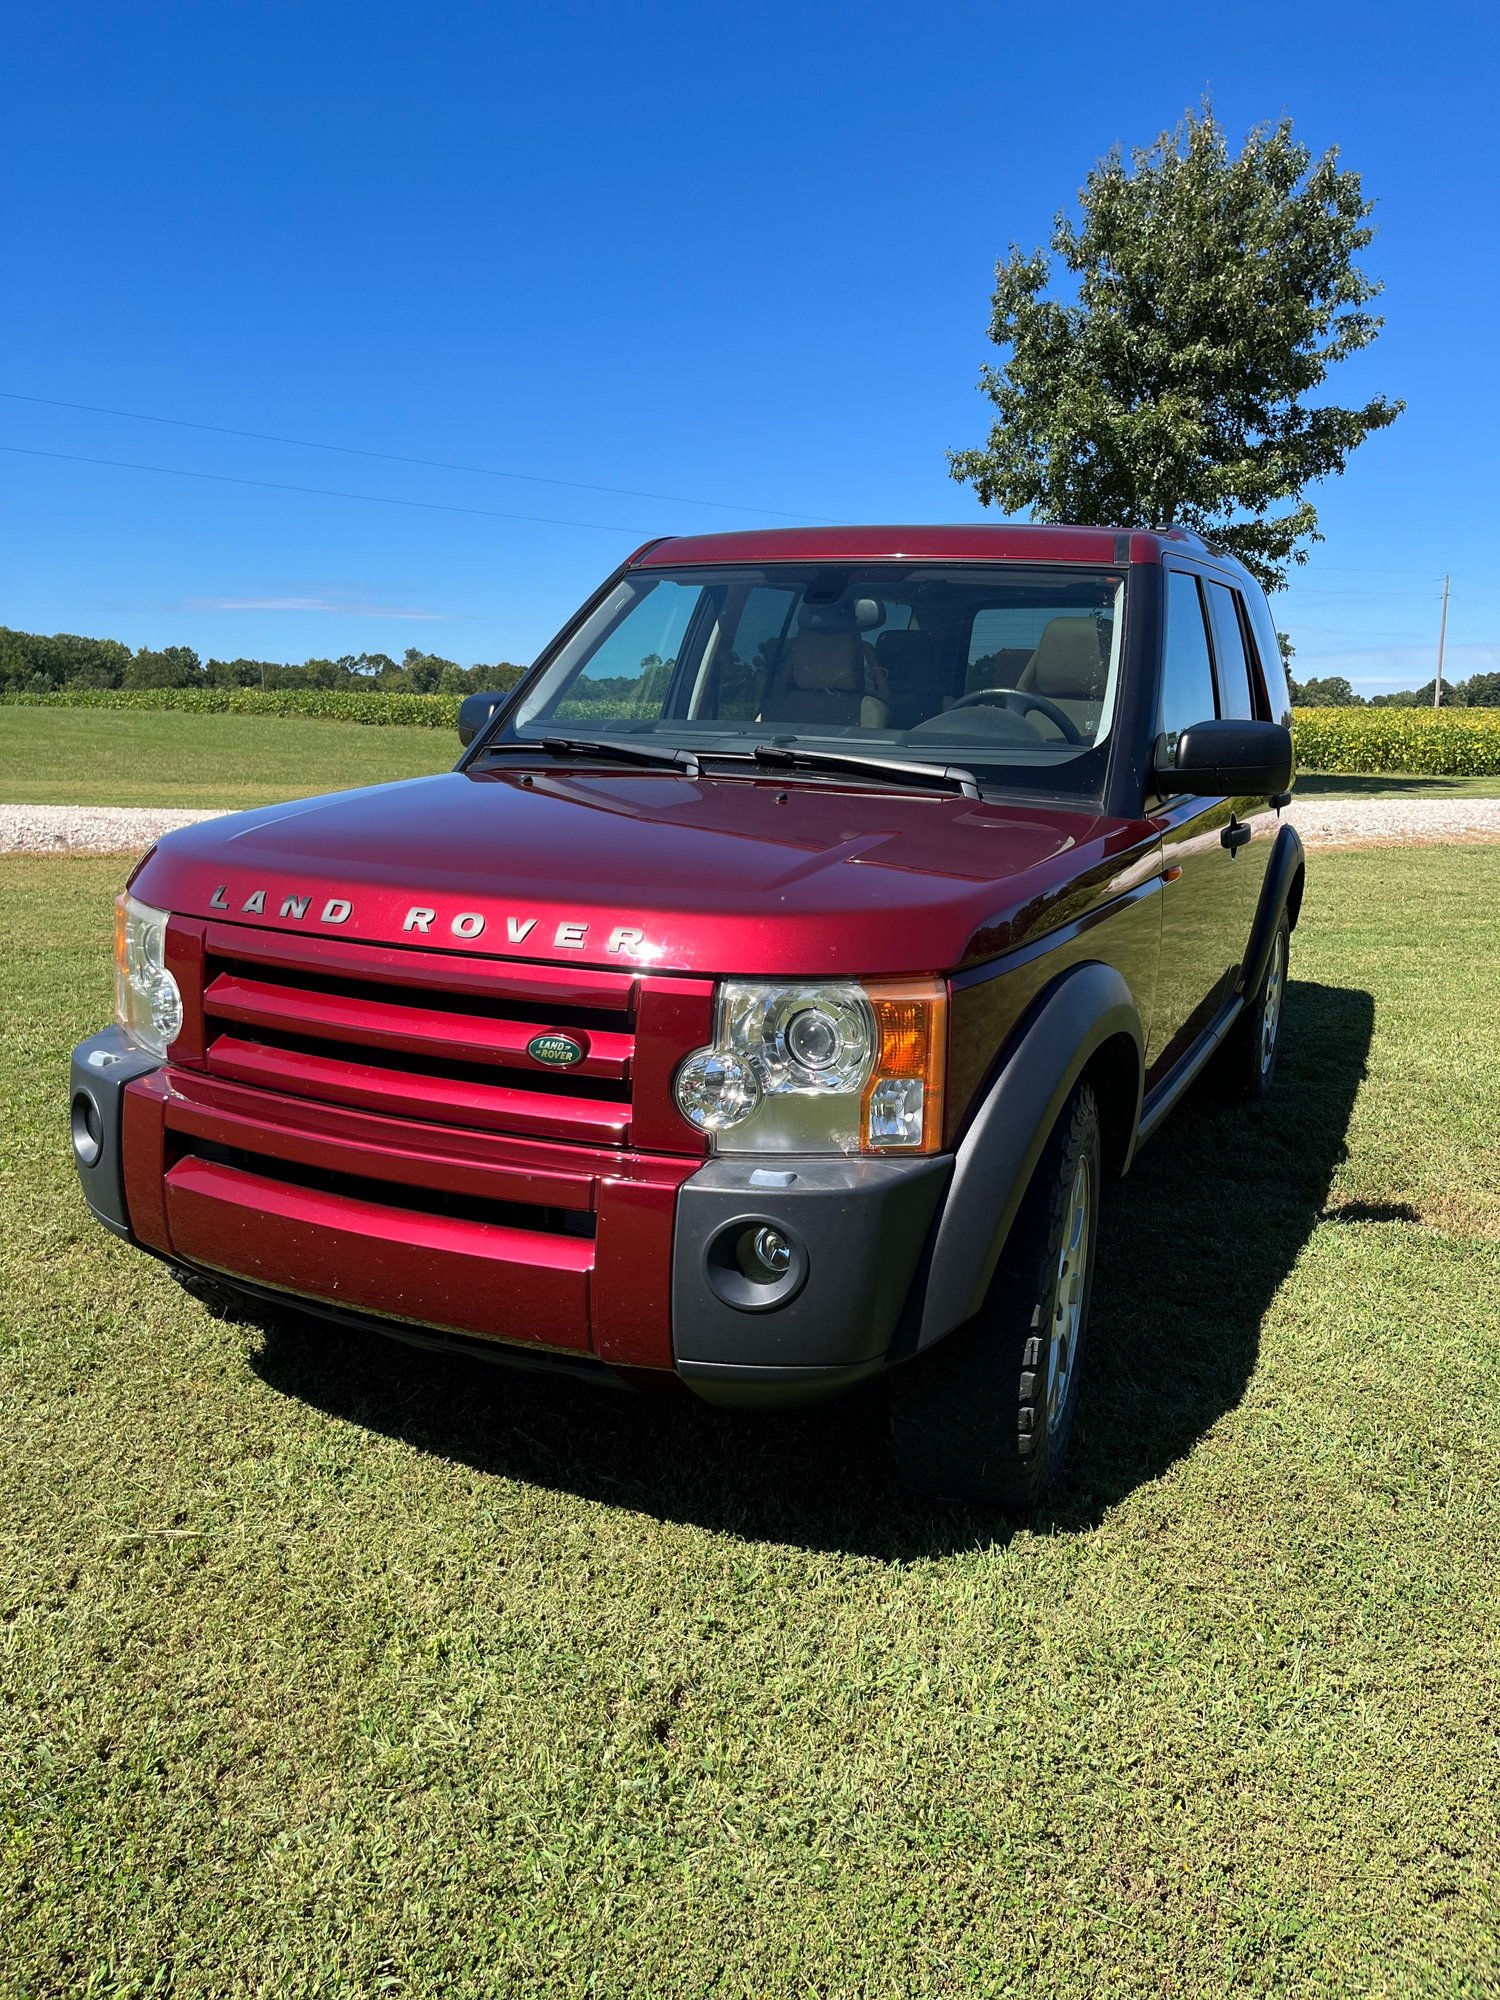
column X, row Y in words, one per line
column 1479, row 691
column 41, row 663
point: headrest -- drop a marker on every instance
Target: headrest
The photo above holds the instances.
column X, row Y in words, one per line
column 827, row 661
column 858, row 616
column 900, row 651
column 1066, row 663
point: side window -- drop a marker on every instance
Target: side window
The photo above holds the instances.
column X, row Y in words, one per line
column 1236, row 695
column 629, row 674
column 1187, row 679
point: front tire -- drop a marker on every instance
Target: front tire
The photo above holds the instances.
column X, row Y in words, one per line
column 988, row 1414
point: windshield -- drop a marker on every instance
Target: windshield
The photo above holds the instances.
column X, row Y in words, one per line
column 1010, row 672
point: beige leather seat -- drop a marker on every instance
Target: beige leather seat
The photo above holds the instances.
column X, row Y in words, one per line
column 829, row 675
column 1068, row 668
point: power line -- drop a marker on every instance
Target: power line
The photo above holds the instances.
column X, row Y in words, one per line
column 1314, row 567
column 398, row 458
column 322, row 492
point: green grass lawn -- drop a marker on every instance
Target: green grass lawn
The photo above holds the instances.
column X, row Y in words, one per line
column 113, row 757
column 328, row 1667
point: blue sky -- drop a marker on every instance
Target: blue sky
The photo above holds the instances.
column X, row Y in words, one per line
column 736, row 255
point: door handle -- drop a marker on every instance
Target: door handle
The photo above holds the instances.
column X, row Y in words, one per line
column 1235, row 835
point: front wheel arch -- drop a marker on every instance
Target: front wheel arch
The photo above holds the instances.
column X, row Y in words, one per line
column 1086, row 1020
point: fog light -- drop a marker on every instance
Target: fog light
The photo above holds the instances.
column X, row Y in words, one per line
column 88, row 1130
column 769, row 1250
column 755, row 1265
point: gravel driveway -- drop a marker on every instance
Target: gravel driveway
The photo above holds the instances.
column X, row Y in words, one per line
column 88, row 829
column 1393, row 822
column 1321, row 822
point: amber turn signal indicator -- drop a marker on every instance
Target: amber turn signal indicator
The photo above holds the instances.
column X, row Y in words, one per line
column 902, row 1111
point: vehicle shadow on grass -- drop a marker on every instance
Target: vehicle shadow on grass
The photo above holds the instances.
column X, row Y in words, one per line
column 1380, row 785
column 1193, row 1247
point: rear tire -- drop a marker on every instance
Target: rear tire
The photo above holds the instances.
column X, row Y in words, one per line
column 1245, row 1067
column 988, row 1414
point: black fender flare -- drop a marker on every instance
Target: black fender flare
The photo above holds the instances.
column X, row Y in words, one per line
column 1282, row 888
column 1064, row 1029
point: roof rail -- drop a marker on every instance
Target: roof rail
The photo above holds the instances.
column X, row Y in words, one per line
column 1171, row 531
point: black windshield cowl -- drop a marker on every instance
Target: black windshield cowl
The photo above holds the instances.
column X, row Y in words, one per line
column 783, row 757
column 619, row 753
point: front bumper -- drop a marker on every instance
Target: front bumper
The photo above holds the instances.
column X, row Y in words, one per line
column 522, row 1249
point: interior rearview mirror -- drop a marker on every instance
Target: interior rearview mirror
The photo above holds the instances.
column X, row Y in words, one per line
column 474, row 711
column 1226, row 760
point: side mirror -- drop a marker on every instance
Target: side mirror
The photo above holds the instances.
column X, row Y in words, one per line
column 1227, row 760
column 474, row 712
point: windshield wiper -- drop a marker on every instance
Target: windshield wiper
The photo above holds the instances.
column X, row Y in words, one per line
column 622, row 753
column 783, row 757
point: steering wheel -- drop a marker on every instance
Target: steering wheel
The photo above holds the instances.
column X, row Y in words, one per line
column 997, row 697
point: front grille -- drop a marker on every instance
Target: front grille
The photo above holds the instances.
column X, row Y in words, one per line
column 415, row 1200
column 420, row 1035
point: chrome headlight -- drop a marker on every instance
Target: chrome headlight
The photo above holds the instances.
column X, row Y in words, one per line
column 797, row 1067
column 148, row 1004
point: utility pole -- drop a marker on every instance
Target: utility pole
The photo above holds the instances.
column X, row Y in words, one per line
column 1437, row 684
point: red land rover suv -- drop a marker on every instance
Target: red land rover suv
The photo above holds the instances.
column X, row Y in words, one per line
column 765, row 1001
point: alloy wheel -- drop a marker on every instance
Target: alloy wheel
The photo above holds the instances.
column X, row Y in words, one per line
column 1072, row 1285
column 1270, row 1011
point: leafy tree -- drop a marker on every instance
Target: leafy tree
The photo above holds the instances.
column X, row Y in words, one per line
column 1213, row 293
column 38, row 661
column 241, row 673
column 1482, row 691
column 321, row 674
column 365, row 666
column 172, row 667
column 1333, row 691
column 1453, row 697
column 424, row 671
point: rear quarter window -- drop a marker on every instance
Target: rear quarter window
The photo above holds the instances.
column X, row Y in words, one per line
column 1237, row 693
column 1268, row 647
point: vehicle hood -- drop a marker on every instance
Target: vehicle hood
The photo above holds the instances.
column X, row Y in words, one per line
column 661, row 870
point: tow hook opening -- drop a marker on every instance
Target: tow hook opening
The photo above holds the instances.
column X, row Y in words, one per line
column 88, row 1129
column 755, row 1263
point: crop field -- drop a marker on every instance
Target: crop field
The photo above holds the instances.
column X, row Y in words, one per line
column 167, row 757
column 328, row 1667
column 1459, row 742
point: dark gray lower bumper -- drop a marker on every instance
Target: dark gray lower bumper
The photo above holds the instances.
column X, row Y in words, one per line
column 857, row 1228
column 102, row 1066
